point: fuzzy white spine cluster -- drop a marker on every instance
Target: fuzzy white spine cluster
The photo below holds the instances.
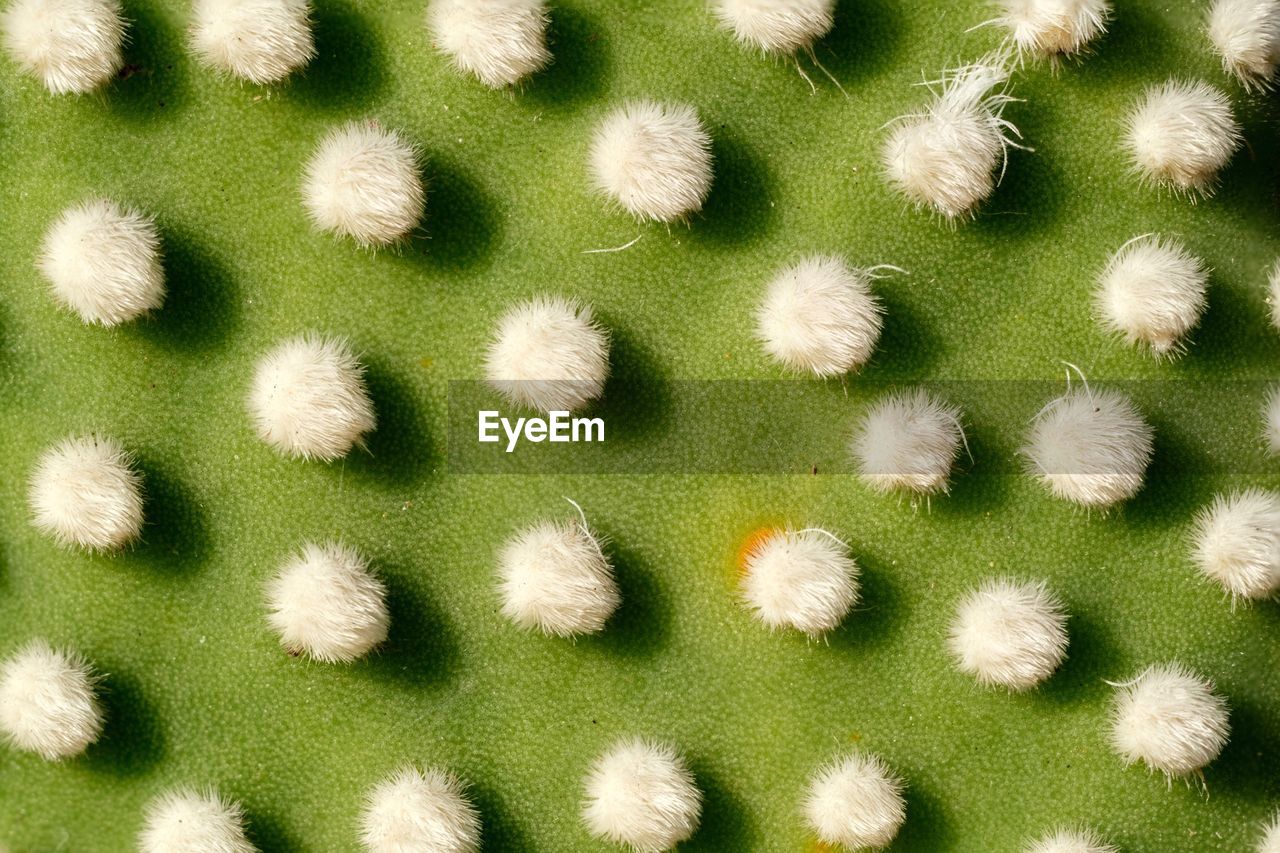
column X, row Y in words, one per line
column 549, row 353
column 327, row 604
column 777, row 26
column 421, row 811
column 71, row 46
column 855, row 802
column 946, row 158
column 1246, row 34
column 801, row 579
column 1273, row 293
column 48, row 702
column 908, row 442
column 653, row 159
column 819, row 316
column 1152, row 291
column 555, row 578
column 102, row 261
column 1083, row 840
column 1091, row 447
column 308, row 398
column 363, row 182
column 188, row 821
column 501, row 42
column 1181, row 134
column 640, row 793
column 1236, row 543
column 1054, row 28
column 1009, row 633
column 1271, row 421
column 262, row 41
column 1270, row 842
column 1170, row 719
column 86, row 492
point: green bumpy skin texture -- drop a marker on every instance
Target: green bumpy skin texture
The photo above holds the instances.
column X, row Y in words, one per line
column 198, row 691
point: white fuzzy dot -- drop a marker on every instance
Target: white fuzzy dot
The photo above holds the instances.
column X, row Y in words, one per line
column 653, row 159
column 819, row 316
column 1271, row 421
column 1181, row 134
column 855, row 802
column 1270, row 842
column 641, row 794
column 554, row 577
column 187, row 821
column 1273, row 293
column 501, row 42
column 1091, row 447
column 946, row 158
column 1054, row 27
column 1246, row 34
column 1152, row 291
column 777, row 26
column 85, row 491
column 47, row 702
column 908, row 442
column 1009, row 633
column 103, row 262
column 1071, row 841
column 1237, row 543
column 309, row 399
column 548, row 353
column 326, row 603
column 262, row 41
column 72, row 46
column 802, row 579
column 413, row 811
column 1170, row 719
column 363, row 182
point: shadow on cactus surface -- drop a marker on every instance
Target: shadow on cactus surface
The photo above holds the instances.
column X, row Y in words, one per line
column 198, row 690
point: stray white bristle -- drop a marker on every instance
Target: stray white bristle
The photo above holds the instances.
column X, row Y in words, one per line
column 262, row 41
column 1236, row 543
column 1246, row 34
column 641, row 794
column 501, row 42
column 1152, row 291
column 326, row 603
column 309, row 399
column 1181, row 134
column 102, row 261
column 947, row 157
column 908, row 442
column 1271, row 422
column 819, row 316
column 1083, row 840
column 363, row 182
column 86, row 492
column 549, row 354
column 1009, row 633
column 1170, row 719
column 554, row 577
column 188, row 821
column 1054, row 28
column 653, row 159
column 1091, row 447
column 855, row 802
column 48, row 703
column 777, row 26
column 423, row 811
column 1270, row 842
column 72, row 46
column 802, row 579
